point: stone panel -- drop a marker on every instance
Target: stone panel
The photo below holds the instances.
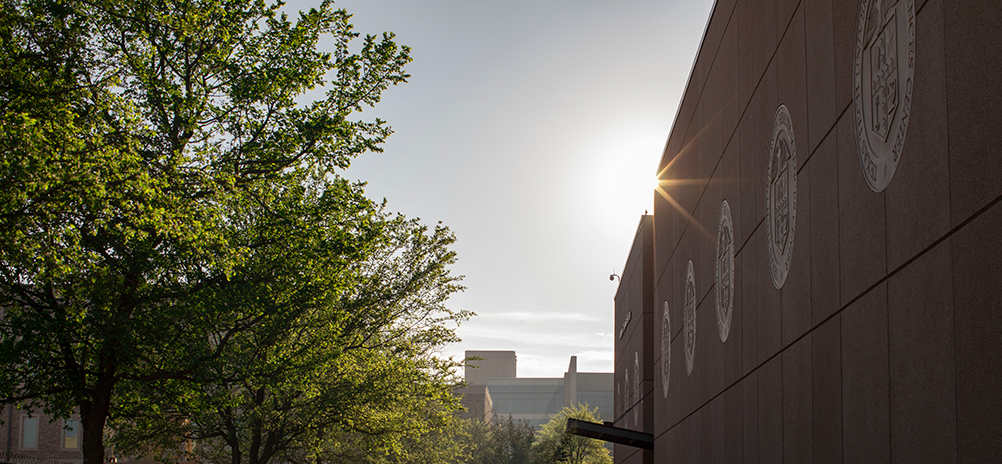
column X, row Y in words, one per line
column 748, row 269
column 796, row 292
column 749, row 417
column 757, row 40
column 769, row 303
column 664, row 241
column 661, row 412
column 922, row 371
column 770, row 411
column 791, row 80
column 727, row 186
column 785, row 10
column 755, row 132
column 701, row 429
column 824, row 250
column 725, row 80
column 862, row 216
column 718, row 421
column 973, row 69
column 734, row 423
column 977, row 271
column 844, row 15
column 821, row 111
column 865, row 384
column 797, row 402
column 826, row 391
column 918, row 200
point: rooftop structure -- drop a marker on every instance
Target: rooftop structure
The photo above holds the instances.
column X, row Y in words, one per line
column 535, row 399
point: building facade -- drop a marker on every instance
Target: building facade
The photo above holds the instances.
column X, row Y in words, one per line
column 477, row 402
column 39, row 438
column 634, row 347
column 536, row 399
column 826, row 263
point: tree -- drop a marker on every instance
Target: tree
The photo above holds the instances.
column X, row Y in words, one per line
column 356, row 378
column 555, row 445
column 171, row 210
column 444, row 439
column 503, row 441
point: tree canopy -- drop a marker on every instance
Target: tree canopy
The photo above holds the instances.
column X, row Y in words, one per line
column 554, row 444
column 504, row 441
column 173, row 226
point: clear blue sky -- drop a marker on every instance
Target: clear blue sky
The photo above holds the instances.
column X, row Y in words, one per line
column 533, row 129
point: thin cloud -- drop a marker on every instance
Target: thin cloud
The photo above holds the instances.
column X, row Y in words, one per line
column 596, row 355
column 549, row 316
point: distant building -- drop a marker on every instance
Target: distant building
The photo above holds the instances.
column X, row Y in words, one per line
column 534, row 400
column 492, row 364
column 39, row 438
column 477, row 401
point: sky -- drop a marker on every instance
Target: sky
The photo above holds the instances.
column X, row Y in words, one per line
column 533, row 129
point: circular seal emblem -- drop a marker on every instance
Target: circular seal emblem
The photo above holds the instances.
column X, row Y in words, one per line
column 724, row 288
column 636, row 385
column 781, row 197
column 689, row 317
column 882, row 85
column 626, row 388
column 665, row 350
column 618, row 403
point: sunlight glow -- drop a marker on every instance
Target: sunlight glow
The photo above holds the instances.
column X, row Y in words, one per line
column 669, row 183
column 667, row 196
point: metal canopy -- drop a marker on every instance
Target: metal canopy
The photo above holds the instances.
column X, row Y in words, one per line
column 608, row 432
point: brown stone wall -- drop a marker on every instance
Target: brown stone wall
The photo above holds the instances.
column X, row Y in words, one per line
column 883, row 343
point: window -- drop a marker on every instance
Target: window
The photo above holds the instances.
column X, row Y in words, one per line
column 29, row 432
column 71, row 433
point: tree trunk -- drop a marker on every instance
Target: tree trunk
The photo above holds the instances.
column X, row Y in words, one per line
column 93, row 415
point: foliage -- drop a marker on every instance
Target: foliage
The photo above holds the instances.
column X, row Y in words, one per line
column 554, row 444
column 356, row 374
column 444, row 439
column 503, row 441
column 172, row 227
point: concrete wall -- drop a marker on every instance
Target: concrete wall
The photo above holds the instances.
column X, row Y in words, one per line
column 493, row 364
column 883, row 341
column 477, row 401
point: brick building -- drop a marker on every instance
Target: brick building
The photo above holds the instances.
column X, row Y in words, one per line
column 39, row 438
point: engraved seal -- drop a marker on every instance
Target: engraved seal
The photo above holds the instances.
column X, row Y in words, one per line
column 626, row 388
column 781, row 197
column 617, row 404
column 689, row 316
column 636, row 386
column 665, row 350
column 724, row 288
column 883, row 70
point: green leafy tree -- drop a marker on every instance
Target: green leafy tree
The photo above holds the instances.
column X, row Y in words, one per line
column 555, row 445
column 503, row 441
column 443, row 439
column 172, row 224
column 357, row 375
